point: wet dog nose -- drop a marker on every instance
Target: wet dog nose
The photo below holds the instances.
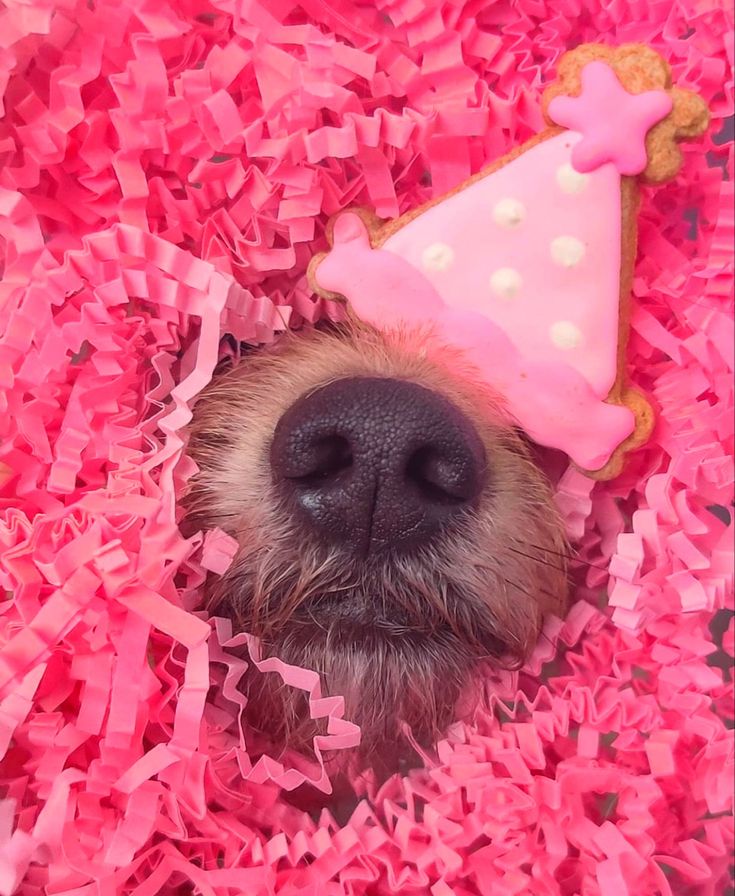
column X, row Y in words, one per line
column 376, row 463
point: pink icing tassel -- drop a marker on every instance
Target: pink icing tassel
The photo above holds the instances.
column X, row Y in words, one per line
column 617, row 138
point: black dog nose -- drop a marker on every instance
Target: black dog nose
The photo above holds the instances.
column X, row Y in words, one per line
column 377, row 463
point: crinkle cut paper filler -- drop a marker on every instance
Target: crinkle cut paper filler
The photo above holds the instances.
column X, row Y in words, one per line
column 166, row 172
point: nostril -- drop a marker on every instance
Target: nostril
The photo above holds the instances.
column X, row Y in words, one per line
column 376, row 463
column 328, row 456
column 439, row 479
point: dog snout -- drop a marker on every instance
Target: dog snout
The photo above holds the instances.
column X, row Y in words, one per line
column 376, row 463
column 320, row 455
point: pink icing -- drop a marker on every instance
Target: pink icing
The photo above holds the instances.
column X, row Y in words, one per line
column 522, row 268
column 613, row 122
column 586, row 295
column 550, row 400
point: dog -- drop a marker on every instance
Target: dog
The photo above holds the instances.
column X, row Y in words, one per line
column 394, row 533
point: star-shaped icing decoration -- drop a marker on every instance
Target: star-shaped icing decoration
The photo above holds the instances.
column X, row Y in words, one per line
column 613, row 123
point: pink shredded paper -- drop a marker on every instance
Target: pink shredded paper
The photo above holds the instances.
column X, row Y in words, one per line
column 166, row 173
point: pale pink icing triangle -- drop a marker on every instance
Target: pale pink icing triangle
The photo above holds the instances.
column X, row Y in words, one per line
column 521, row 269
column 550, row 400
column 551, row 280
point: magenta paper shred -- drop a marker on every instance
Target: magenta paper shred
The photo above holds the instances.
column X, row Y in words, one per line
column 166, row 172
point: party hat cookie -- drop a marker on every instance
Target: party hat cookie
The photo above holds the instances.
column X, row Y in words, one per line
column 528, row 265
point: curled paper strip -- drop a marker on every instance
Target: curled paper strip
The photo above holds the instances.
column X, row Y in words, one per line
column 164, row 178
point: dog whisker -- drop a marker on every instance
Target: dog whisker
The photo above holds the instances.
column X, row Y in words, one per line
column 572, row 556
column 538, row 559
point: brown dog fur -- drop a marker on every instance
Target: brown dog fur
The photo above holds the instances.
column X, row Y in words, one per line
column 419, row 626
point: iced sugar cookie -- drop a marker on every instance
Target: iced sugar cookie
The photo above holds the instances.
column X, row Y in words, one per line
column 528, row 265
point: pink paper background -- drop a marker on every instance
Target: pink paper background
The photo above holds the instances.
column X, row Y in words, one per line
column 165, row 173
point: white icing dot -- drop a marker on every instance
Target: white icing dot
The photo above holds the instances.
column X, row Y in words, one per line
column 506, row 283
column 437, row 257
column 565, row 335
column 567, row 251
column 509, row 212
column 570, row 180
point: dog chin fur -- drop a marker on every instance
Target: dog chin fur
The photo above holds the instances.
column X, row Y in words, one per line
column 401, row 637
